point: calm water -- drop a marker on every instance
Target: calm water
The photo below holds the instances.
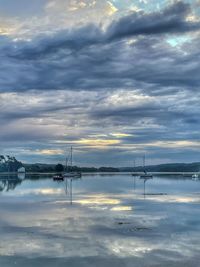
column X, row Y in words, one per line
column 100, row 220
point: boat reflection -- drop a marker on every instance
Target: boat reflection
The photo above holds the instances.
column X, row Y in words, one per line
column 145, row 179
column 134, row 183
column 68, row 184
column 69, row 189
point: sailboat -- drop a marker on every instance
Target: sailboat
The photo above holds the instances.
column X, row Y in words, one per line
column 145, row 175
column 195, row 176
column 69, row 173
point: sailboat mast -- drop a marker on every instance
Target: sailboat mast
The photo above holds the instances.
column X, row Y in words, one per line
column 66, row 162
column 71, row 156
column 144, row 161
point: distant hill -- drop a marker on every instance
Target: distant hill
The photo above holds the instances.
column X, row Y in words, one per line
column 42, row 168
column 11, row 164
column 170, row 167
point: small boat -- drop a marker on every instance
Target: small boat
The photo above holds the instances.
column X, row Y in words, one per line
column 58, row 177
column 195, row 177
column 70, row 173
column 145, row 175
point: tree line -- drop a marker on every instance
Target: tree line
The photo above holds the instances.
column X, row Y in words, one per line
column 9, row 164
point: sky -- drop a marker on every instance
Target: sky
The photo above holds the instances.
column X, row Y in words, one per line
column 114, row 79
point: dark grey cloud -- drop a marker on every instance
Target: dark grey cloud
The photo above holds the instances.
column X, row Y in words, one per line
column 149, row 64
column 170, row 20
column 36, row 112
column 45, row 45
column 91, row 59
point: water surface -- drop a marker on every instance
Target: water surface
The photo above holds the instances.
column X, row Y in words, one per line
column 99, row 220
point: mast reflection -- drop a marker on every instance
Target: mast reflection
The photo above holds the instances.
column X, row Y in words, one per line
column 69, row 188
column 144, row 181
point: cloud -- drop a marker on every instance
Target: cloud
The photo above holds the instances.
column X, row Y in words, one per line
column 173, row 19
column 69, row 13
column 170, row 20
column 141, row 123
column 89, row 58
column 139, row 75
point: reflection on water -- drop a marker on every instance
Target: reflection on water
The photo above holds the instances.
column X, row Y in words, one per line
column 8, row 183
column 99, row 220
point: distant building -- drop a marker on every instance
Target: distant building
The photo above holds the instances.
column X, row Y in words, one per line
column 21, row 170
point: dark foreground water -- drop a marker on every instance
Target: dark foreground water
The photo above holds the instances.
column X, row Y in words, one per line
column 100, row 220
